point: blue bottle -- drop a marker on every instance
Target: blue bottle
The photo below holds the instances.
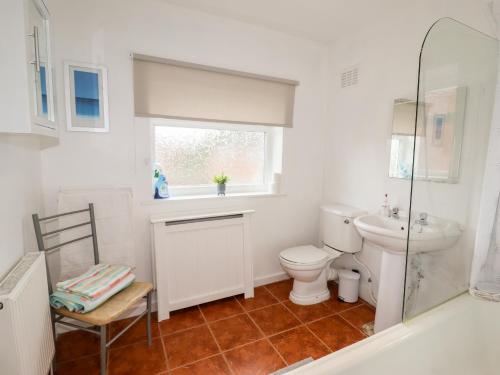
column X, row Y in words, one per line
column 161, row 185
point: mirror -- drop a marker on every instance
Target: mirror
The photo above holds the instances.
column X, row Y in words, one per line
column 439, row 134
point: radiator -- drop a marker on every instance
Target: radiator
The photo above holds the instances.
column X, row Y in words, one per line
column 201, row 258
column 26, row 340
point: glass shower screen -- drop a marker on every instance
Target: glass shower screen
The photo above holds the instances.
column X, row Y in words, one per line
column 457, row 79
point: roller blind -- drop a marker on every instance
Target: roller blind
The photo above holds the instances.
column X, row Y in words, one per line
column 174, row 89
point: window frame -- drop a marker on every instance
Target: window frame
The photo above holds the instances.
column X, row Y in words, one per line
column 273, row 136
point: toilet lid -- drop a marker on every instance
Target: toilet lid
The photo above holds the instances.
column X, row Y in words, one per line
column 304, row 255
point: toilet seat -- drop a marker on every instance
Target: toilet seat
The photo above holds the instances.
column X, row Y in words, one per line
column 304, row 255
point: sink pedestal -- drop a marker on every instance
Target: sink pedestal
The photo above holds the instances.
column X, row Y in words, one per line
column 391, row 290
column 391, row 235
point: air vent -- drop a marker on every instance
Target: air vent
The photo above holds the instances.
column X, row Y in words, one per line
column 349, row 77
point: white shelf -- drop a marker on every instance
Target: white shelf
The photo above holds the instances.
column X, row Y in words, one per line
column 157, row 202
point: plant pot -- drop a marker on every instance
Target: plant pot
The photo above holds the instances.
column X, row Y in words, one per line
column 221, row 189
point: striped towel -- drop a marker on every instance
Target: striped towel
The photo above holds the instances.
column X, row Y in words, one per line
column 97, row 281
column 81, row 304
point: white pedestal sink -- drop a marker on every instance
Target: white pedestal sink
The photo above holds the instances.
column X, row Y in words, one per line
column 391, row 235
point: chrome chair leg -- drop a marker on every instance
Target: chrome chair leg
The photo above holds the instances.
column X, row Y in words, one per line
column 54, row 337
column 103, row 350
column 148, row 306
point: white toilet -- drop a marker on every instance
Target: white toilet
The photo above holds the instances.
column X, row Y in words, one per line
column 309, row 266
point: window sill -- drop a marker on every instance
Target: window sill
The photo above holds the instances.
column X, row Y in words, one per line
column 155, row 202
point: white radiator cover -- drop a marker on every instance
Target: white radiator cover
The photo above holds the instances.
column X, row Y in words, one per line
column 26, row 341
column 201, row 258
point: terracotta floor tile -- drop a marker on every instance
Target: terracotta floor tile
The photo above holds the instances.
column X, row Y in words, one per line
column 274, row 319
column 335, row 332
column 210, row 366
column 137, row 359
column 81, row 366
column 281, row 289
column 235, row 331
column 181, row 319
column 359, row 315
column 262, row 298
column 221, row 309
column 335, row 304
column 258, row 358
column 74, row 344
column 298, row 344
column 189, row 346
column 135, row 333
column 310, row 312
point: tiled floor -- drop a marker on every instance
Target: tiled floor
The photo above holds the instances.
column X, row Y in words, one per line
column 232, row 336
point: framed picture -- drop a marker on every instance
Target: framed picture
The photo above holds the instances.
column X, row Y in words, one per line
column 86, row 89
column 438, row 123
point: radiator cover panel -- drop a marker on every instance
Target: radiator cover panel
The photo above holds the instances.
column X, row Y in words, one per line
column 198, row 260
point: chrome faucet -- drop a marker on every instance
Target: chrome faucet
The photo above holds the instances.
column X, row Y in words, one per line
column 395, row 213
column 422, row 219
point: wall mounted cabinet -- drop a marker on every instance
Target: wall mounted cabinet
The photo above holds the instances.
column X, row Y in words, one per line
column 26, row 72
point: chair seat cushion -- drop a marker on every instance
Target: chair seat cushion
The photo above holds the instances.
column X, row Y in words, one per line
column 112, row 308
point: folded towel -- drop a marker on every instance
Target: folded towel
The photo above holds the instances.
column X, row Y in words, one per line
column 81, row 304
column 91, row 272
column 96, row 281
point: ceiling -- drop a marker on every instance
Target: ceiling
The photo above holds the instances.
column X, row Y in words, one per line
column 320, row 20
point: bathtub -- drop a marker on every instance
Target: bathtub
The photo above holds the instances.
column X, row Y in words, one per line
column 460, row 337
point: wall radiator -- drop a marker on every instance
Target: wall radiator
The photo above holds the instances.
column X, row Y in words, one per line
column 201, row 258
column 26, row 340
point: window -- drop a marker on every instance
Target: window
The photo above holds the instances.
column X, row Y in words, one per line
column 191, row 153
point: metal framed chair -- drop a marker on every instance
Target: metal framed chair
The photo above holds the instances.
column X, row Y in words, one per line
column 109, row 311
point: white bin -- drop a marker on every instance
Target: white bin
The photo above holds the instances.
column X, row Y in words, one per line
column 348, row 286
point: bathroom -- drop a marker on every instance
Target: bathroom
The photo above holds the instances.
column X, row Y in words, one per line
column 345, row 68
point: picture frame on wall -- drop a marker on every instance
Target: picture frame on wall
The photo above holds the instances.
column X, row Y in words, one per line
column 86, row 91
column 438, row 123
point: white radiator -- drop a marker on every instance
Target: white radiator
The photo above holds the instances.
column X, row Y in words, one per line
column 201, row 258
column 26, row 341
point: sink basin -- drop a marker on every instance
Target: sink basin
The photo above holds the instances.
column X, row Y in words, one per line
column 391, row 234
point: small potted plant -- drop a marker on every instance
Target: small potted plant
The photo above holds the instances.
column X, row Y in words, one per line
column 221, row 180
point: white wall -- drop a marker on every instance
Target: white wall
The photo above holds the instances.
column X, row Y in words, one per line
column 354, row 133
column 360, row 117
column 106, row 32
column 20, row 196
